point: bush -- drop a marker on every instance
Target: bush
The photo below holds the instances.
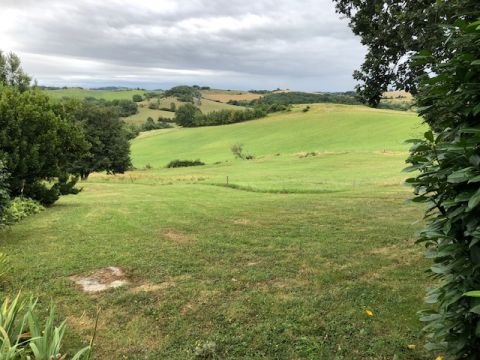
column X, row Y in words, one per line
column 137, row 98
column 184, row 163
column 447, row 162
column 20, row 208
column 150, row 124
column 42, row 193
column 237, row 151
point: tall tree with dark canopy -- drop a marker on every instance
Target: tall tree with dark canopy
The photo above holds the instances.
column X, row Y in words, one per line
column 393, row 31
column 36, row 144
column 432, row 48
column 104, row 132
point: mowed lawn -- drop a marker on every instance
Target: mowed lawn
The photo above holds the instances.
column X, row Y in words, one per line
column 257, row 271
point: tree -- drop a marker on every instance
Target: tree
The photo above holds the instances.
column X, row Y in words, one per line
column 36, row 144
column 11, row 72
column 393, row 31
column 109, row 149
column 432, row 48
column 187, row 115
column 137, row 98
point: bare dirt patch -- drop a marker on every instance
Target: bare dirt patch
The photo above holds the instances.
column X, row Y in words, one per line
column 242, row 222
column 177, row 236
column 148, row 287
column 102, row 279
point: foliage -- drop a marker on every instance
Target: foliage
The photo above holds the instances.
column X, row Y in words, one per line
column 105, row 133
column 124, row 107
column 184, row 93
column 188, row 115
column 137, row 98
column 21, row 208
column 11, row 72
column 392, row 30
column 448, row 162
column 4, row 194
column 296, row 97
column 131, row 131
column 23, row 336
column 150, row 124
column 37, row 144
column 237, row 151
column 205, row 350
column 184, row 163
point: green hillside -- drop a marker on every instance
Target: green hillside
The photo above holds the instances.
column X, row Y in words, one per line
column 78, row 93
column 325, row 128
column 255, row 268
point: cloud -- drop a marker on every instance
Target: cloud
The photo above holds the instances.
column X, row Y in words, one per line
column 232, row 43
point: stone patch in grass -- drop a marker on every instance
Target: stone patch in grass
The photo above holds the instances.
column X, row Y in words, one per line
column 103, row 279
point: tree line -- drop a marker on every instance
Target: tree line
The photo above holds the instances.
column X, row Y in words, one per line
column 188, row 115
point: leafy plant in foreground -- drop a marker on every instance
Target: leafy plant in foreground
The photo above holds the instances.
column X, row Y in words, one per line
column 448, row 162
column 23, row 336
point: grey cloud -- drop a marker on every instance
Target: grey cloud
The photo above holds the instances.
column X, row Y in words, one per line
column 303, row 45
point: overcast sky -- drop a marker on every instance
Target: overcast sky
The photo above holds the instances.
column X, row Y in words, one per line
column 237, row 44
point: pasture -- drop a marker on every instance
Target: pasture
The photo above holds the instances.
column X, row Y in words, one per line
column 78, row 93
column 144, row 112
column 286, row 261
column 226, row 95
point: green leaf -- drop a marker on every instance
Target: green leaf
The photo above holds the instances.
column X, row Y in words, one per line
column 460, row 176
column 474, row 293
column 429, row 136
column 474, row 200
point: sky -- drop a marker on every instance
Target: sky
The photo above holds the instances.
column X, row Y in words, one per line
column 229, row 44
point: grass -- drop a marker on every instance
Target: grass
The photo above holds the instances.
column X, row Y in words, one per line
column 325, row 128
column 281, row 264
column 78, row 93
column 224, row 96
column 144, row 112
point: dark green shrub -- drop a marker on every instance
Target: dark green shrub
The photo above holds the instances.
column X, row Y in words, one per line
column 66, row 185
column 448, row 162
column 43, row 193
column 184, row 163
column 137, row 98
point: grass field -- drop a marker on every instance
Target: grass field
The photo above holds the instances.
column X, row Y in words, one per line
column 224, row 95
column 144, row 112
column 281, row 264
column 78, row 93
